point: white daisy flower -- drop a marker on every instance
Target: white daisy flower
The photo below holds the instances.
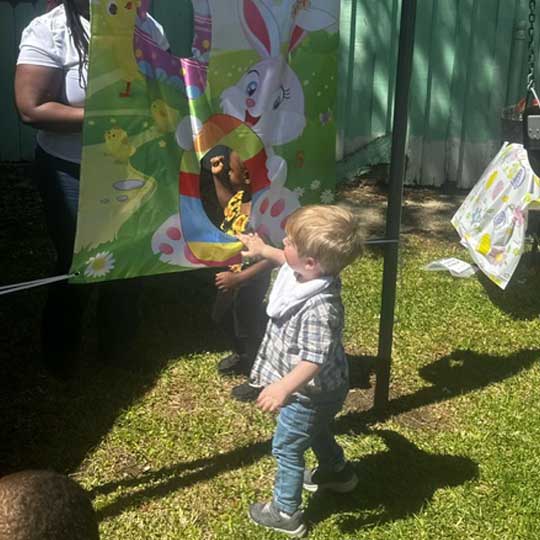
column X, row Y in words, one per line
column 327, row 196
column 99, row 265
column 316, row 184
column 299, row 192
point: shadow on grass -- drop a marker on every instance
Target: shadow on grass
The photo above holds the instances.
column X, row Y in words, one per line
column 160, row 483
column 360, row 369
column 48, row 424
column 521, row 298
column 394, row 484
column 401, row 480
column 458, row 373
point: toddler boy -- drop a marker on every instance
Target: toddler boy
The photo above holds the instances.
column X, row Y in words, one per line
column 301, row 362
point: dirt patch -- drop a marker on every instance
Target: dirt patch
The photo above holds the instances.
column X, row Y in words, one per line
column 424, row 211
column 360, row 404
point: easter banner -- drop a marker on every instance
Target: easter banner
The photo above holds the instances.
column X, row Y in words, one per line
column 261, row 81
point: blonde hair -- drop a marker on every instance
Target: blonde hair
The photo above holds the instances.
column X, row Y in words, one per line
column 330, row 234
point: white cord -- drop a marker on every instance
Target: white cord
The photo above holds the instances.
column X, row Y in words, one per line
column 15, row 287
column 533, row 91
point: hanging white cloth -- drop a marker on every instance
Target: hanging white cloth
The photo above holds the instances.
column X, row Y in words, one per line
column 492, row 220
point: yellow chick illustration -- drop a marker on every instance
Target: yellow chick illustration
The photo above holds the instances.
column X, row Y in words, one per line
column 117, row 145
column 120, row 18
column 164, row 116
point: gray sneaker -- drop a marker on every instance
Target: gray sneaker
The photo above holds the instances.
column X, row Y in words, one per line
column 340, row 482
column 269, row 516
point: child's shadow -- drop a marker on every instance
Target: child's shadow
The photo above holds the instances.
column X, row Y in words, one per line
column 458, row 373
column 157, row 484
column 394, row 484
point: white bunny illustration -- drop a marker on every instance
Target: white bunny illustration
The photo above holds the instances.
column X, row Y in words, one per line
column 269, row 96
column 270, row 99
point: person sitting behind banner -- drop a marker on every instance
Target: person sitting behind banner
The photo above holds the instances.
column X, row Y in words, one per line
column 50, row 92
column 44, row 505
column 239, row 305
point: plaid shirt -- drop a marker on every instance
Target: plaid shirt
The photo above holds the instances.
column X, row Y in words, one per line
column 311, row 332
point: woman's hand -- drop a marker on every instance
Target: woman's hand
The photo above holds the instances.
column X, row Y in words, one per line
column 226, row 281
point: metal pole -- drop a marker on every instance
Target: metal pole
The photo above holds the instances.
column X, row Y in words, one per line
column 395, row 197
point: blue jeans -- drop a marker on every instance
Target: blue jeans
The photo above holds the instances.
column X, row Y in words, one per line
column 62, row 318
column 301, row 426
column 58, row 184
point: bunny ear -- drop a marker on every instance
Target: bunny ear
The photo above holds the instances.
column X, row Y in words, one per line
column 260, row 27
column 297, row 37
column 309, row 20
column 312, row 19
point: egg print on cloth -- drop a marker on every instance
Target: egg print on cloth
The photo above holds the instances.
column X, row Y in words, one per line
column 492, row 220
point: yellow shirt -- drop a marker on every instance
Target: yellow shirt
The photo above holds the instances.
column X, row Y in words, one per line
column 234, row 221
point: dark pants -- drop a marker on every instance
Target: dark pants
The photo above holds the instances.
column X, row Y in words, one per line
column 241, row 314
column 58, row 184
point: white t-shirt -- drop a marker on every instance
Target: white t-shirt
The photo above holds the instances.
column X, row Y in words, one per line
column 47, row 41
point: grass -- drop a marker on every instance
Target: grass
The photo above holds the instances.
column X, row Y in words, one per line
column 166, row 454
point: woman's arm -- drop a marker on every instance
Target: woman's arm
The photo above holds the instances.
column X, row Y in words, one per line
column 36, row 93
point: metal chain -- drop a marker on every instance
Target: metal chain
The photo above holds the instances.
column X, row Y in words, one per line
column 531, row 58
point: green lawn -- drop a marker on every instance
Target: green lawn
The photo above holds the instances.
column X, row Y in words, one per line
column 166, row 454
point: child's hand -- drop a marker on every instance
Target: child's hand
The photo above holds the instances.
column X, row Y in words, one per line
column 273, row 397
column 226, row 281
column 254, row 244
column 217, row 164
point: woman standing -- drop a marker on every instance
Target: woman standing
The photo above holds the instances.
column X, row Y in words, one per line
column 50, row 90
